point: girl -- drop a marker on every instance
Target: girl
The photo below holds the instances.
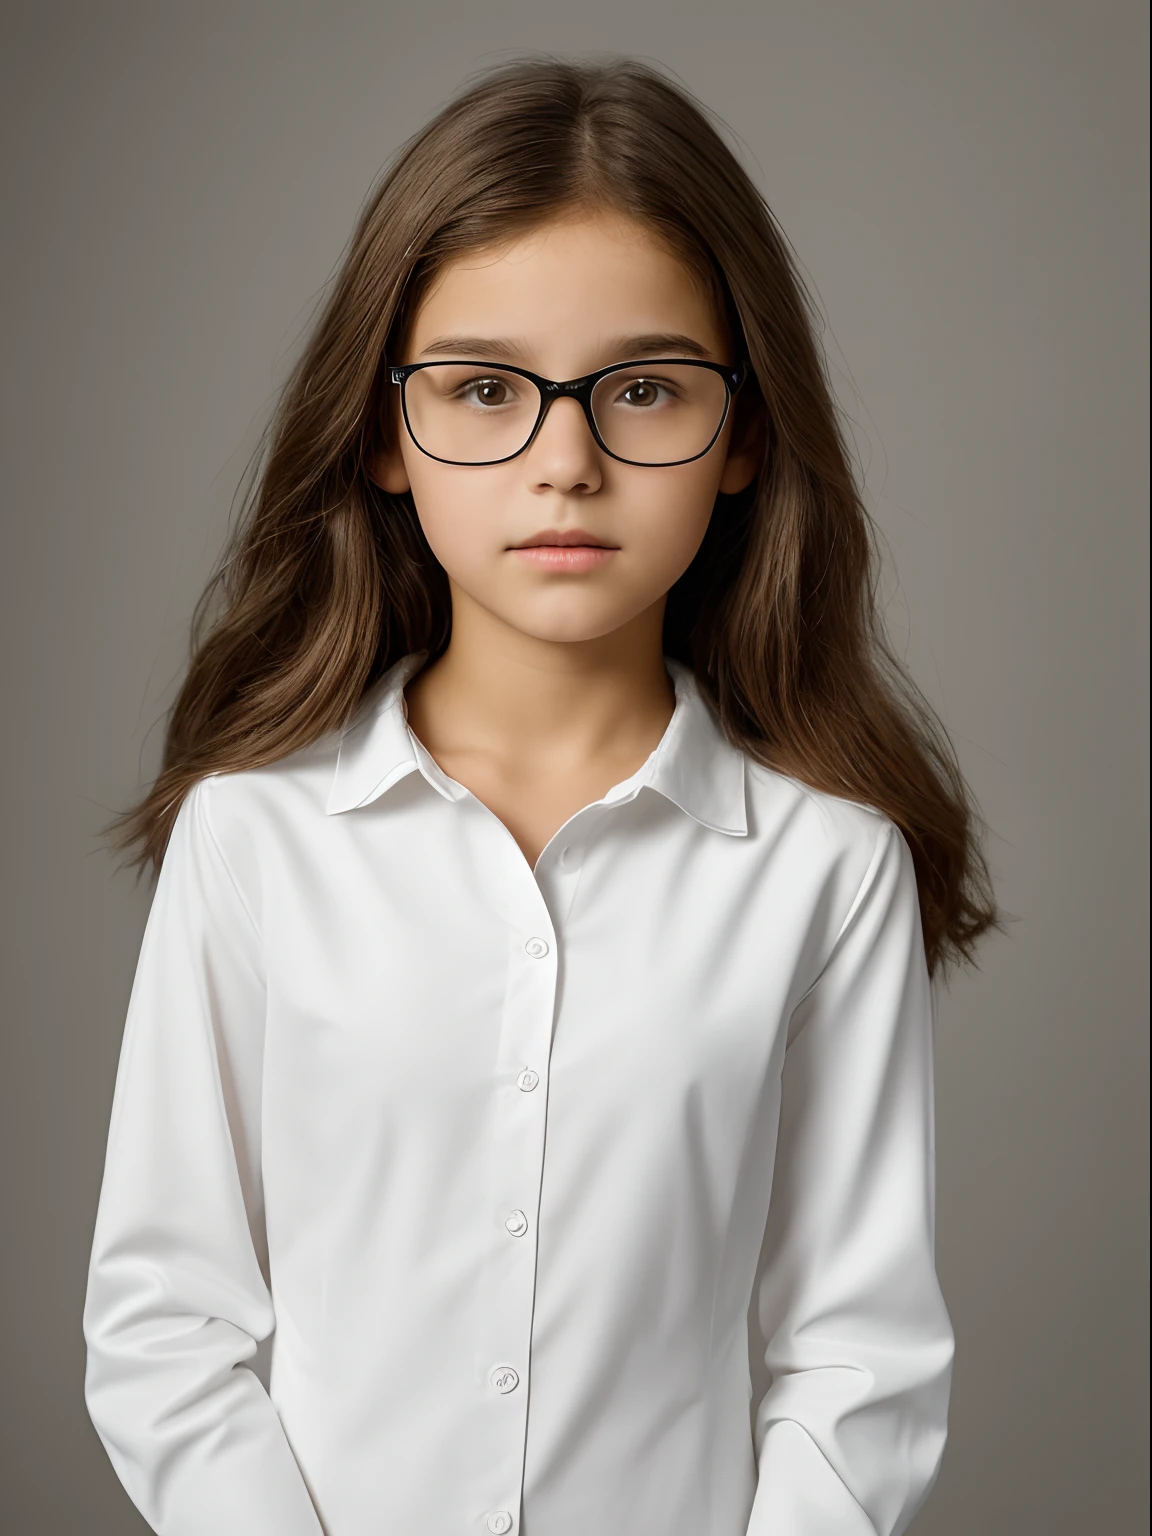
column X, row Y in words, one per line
column 533, row 1025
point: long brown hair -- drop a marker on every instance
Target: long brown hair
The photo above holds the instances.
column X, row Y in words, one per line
column 327, row 580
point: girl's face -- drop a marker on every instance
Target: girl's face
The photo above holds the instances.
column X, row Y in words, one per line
column 573, row 296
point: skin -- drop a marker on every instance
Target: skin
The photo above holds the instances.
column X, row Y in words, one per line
column 553, row 688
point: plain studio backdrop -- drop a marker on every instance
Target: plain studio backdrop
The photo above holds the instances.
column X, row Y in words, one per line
column 964, row 184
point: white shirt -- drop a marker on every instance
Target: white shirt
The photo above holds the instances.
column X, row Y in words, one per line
column 520, row 1163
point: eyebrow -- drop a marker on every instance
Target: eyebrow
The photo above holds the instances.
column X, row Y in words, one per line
column 622, row 349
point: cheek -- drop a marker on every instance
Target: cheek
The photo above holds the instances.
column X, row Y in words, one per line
column 671, row 509
column 458, row 511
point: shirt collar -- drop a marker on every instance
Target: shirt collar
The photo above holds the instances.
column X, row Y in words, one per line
column 694, row 764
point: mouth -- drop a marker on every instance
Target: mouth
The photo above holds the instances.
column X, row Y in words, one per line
column 566, row 538
column 565, row 550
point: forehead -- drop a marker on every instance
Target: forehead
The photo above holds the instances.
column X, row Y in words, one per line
column 574, row 280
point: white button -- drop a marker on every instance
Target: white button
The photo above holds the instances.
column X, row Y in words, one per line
column 517, row 1223
column 566, row 856
column 527, row 1080
column 499, row 1521
column 537, row 948
column 504, row 1378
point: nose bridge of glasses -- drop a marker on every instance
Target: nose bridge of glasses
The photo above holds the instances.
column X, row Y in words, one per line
column 577, row 390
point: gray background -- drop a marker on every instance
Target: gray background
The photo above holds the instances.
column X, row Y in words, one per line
column 964, row 184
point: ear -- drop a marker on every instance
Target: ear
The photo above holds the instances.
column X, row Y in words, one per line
column 386, row 464
column 386, row 467
column 746, row 446
column 739, row 472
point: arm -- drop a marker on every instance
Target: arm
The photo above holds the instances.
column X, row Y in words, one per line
column 178, row 1294
column 850, row 1433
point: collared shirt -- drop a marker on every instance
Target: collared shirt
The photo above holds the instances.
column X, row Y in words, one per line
column 588, row 1196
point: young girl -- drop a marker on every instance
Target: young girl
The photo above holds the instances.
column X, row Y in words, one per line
column 532, row 1032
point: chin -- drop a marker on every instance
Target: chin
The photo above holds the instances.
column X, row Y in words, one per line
column 574, row 631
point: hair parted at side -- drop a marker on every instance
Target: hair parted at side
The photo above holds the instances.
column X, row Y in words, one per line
column 327, row 580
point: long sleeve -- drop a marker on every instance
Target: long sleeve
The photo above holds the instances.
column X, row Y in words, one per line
column 851, row 1430
column 178, row 1294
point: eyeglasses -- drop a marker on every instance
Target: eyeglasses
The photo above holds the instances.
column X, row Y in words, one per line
column 658, row 412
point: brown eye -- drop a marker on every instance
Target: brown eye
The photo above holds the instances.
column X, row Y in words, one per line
column 489, row 391
column 640, row 392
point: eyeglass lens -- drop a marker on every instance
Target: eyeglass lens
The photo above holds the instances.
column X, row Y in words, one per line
column 469, row 415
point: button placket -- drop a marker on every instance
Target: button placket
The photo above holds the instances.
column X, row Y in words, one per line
column 507, row 1281
column 558, row 878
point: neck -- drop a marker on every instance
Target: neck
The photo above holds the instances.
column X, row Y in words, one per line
column 515, row 698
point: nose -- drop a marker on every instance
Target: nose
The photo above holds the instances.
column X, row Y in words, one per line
column 564, row 455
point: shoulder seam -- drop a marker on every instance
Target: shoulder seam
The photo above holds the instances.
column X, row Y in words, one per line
column 883, row 839
column 220, row 854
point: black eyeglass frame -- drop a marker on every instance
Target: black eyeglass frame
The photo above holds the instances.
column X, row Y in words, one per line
column 579, row 390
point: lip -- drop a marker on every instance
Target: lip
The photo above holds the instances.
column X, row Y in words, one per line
column 561, row 557
column 564, row 538
column 567, row 549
